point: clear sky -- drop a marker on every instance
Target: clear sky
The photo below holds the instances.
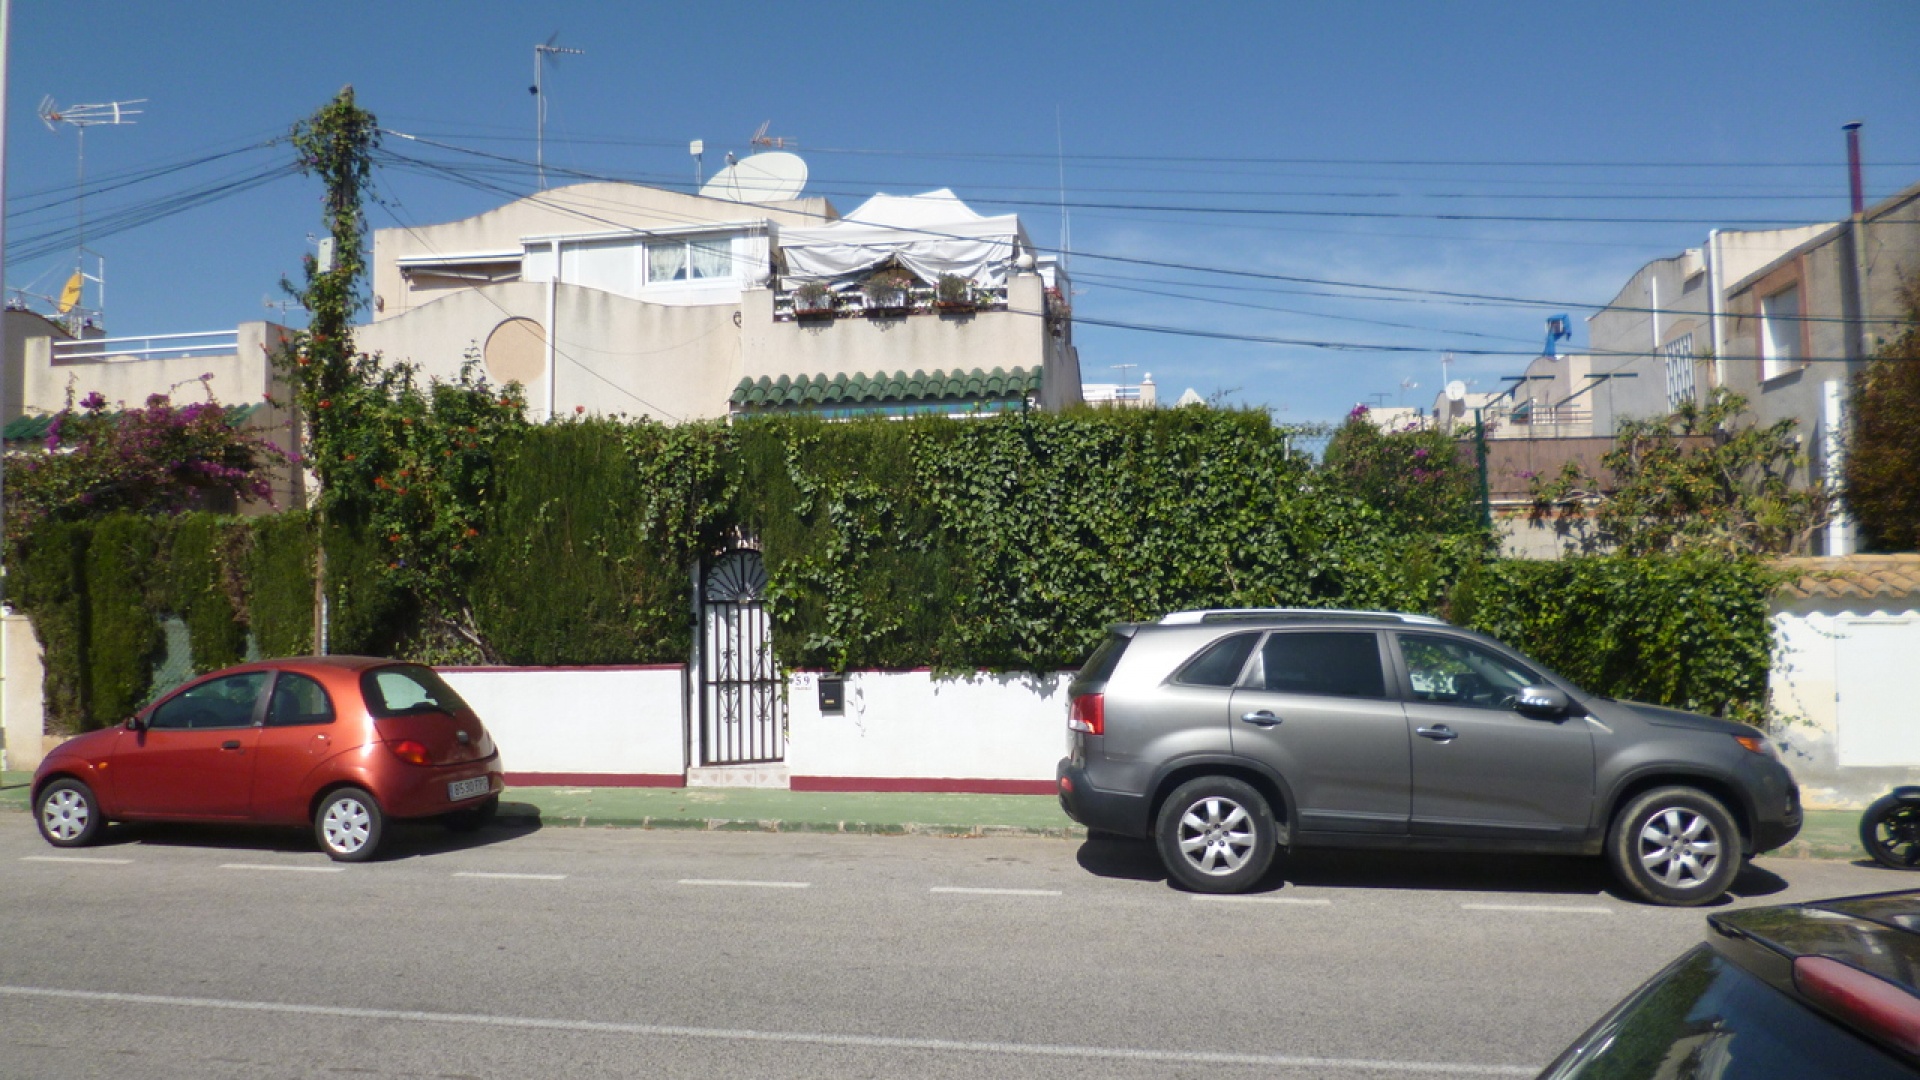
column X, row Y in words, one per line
column 1340, row 141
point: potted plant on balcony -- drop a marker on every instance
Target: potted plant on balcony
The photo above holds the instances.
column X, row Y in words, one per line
column 887, row 291
column 813, row 300
column 953, row 293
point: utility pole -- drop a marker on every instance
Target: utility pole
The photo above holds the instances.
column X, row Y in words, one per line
column 337, row 143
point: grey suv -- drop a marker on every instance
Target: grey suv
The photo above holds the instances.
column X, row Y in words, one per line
column 1224, row 735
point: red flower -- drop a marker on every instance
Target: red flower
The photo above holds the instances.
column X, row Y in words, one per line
column 578, row 409
column 325, row 403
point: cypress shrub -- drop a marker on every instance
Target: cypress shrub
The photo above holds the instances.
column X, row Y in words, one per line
column 279, row 571
column 123, row 629
column 49, row 584
column 202, row 590
column 569, row 571
column 366, row 614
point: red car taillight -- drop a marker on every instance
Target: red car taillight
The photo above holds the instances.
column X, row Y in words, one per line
column 410, row 751
column 1088, row 713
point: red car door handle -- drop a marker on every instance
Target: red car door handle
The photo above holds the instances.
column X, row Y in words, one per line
column 230, row 744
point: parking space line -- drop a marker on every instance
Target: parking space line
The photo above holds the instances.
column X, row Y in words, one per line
column 97, row 861
column 1301, row 901
column 1551, row 909
column 290, row 869
column 509, row 877
column 993, row 892
column 730, row 882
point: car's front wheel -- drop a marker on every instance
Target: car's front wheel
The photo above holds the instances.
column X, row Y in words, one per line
column 68, row 814
column 348, row 825
column 1215, row 835
column 1676, row 846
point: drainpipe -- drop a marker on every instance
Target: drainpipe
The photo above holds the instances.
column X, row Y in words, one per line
column 1862, row 341
column 553, row 306
column 1713, row 309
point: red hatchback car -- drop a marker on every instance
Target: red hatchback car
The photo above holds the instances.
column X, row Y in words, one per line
column 343, row 743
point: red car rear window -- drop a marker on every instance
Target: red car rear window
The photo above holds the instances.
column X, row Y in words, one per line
column 405, row 689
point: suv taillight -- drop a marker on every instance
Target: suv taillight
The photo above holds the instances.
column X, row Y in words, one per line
column 1088, row 713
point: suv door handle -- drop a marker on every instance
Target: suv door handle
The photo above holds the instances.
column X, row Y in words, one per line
column 1438, row 733
column 1263, row 718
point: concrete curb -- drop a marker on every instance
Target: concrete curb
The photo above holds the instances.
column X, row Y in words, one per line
column 861, row 828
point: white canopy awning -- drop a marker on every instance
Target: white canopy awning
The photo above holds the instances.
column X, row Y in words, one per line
column 930, row 234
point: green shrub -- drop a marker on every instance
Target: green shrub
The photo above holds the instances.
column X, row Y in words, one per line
column 205, row 591
column 49, row 584
column 280, row 585
column 123, row 640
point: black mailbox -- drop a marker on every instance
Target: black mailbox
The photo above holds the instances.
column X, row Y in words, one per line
column 833, row 696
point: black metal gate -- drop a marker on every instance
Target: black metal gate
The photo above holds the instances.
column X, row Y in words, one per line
column 743, row 713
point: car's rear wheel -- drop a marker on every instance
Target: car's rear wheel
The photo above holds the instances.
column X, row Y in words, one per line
column 470, row 819
column 1890, row 831
column 68, row 814
column 348, row 825
column 1676, row 846
column 1215, row 835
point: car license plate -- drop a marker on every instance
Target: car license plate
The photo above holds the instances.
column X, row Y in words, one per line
column 466, row 789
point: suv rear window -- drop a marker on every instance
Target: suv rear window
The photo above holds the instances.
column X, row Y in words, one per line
column 1220, row 663
column 1099, row 667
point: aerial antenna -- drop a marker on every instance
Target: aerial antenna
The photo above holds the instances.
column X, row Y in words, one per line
column 775, row 142
column 80, row 118
column 540, row 54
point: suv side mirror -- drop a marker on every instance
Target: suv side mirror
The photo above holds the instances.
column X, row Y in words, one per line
column 1542, row 701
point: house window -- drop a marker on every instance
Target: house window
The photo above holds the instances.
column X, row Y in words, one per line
column 689, row 260
column 1780, row 332
column 1680, row 381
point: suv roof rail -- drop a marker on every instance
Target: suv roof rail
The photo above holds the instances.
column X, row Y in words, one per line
column 1206, row 615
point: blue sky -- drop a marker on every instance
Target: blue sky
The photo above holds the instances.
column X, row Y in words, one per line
column 1193, row 138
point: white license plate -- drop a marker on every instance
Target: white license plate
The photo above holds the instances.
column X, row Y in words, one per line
column 466, row 789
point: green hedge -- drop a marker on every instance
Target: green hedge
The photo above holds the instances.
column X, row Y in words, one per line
column 1002, row 543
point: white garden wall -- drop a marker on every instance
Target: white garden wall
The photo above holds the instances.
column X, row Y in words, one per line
column 605, row 726
column 912, row 731
column 1842, row 676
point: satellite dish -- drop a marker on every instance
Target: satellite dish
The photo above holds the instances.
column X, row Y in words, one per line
column 761, row 178
column 1456, row 391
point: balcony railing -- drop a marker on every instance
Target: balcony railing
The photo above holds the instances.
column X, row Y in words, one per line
column 156, row 347
column 920, row 300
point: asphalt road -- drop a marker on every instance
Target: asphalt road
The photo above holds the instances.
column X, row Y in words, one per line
column 615, row 953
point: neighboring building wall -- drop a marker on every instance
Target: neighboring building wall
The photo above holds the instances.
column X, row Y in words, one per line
column 1848, row 630
column 1646, row 343
column 22, row 711
column 244, row 377
column 24, row 327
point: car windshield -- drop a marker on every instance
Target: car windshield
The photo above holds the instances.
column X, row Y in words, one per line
column 408, row 688
column 1707, row 1017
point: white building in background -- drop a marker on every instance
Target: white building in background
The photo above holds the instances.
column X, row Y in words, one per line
column 619, row 298
column 1120, row 395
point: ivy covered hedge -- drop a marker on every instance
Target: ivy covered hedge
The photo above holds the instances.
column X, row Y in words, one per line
column 1002, row 543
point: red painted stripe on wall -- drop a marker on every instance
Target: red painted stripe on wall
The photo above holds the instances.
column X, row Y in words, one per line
column 922, row 784
column 595, row 779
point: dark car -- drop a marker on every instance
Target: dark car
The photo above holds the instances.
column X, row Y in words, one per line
column 341, row 743
column 1224, row 735
column 1799, row 992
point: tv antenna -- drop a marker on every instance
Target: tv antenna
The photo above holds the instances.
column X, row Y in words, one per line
column 771, row 142
column 540, row 54
column 80, row 118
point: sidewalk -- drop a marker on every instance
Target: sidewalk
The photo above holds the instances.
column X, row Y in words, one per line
column 1828, row 834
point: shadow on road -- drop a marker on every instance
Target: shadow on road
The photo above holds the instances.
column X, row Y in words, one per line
column 404, row 839
column 1136, row 860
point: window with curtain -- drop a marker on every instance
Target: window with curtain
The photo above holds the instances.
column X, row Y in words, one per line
column 1780, row 332
column 689, row 260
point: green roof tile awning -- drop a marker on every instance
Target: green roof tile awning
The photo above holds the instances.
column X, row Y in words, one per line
column 883, row 391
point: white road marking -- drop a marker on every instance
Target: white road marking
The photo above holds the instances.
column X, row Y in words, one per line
column 799, row 1038
column 75, row 858
column 510, row 877
column 747, row 884
column 1303, row 901
column 291, row 869
column 1561, row 909
column 994, row 892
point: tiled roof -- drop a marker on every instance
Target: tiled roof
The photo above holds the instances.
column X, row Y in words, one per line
column 30, row 428
column 1851, row 577
column 956, row 386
